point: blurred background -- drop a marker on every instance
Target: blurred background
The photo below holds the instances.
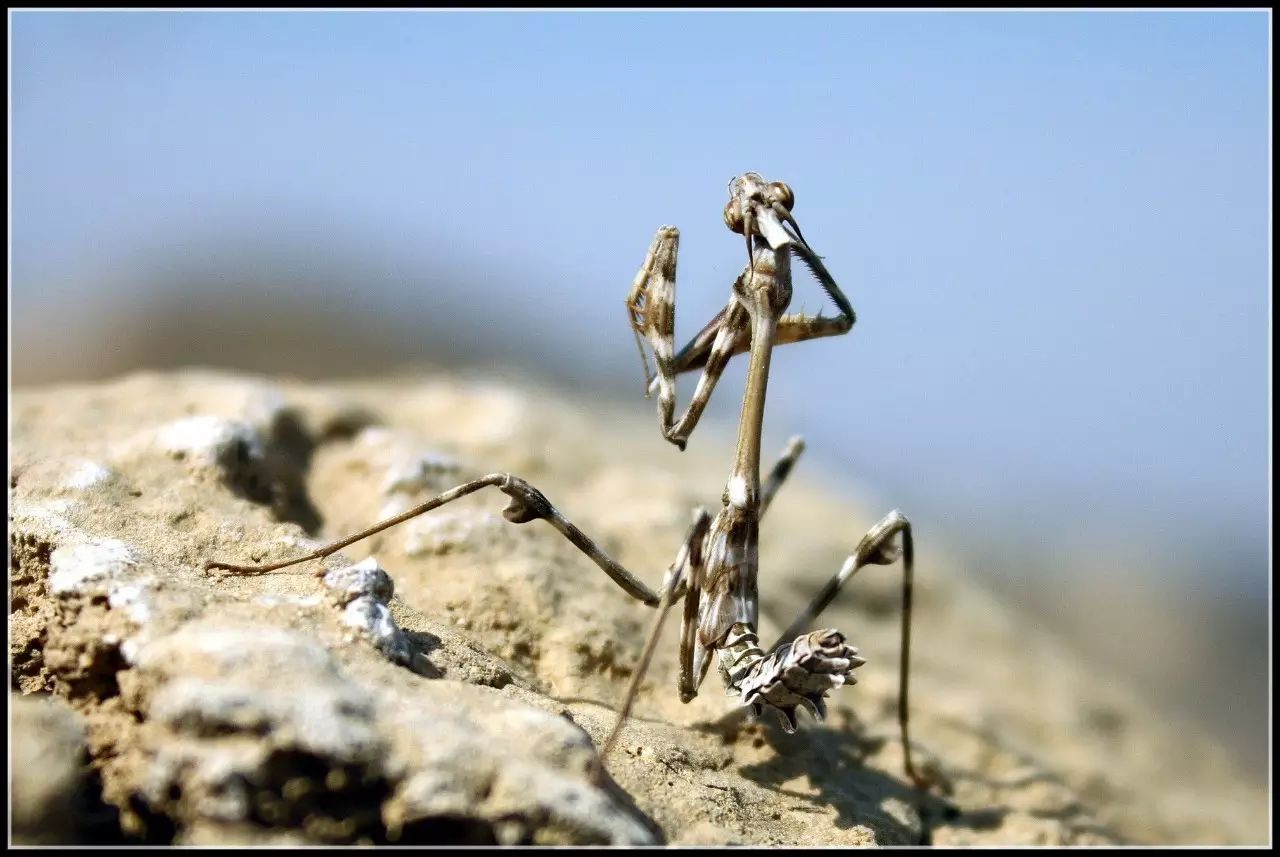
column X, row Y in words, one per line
column 1055, row 228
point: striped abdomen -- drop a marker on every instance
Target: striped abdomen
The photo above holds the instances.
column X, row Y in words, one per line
column 799, row 673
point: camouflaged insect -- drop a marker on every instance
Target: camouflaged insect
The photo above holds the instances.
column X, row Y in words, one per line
column 717, row 566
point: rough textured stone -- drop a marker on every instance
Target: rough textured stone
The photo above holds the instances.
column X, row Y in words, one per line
column 455, row 688
column 46, row 743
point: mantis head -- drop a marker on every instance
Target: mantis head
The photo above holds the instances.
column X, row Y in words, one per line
column 762, row 210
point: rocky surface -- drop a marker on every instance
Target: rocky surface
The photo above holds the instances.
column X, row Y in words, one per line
column 47, row 764
column 449, row 680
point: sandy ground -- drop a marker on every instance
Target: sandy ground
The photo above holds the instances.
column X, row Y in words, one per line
column 456, row 689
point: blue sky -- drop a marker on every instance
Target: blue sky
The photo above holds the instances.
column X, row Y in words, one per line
column 1054, row 226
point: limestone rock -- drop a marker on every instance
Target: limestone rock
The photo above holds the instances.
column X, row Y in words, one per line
column 47, row 749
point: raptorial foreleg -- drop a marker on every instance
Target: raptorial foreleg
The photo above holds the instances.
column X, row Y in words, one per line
column 651, row 313
column 792, row 327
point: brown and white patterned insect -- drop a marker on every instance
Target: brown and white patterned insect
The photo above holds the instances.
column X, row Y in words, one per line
column 716, row 568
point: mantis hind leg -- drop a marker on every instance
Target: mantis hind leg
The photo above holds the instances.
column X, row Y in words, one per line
column 683, row 578
column 526, row 504
column 889, row 540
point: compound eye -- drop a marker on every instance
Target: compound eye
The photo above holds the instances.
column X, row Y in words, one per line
column 781, row 192
column 733, row 216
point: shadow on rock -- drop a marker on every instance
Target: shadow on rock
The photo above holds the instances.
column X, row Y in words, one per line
column 834, row 760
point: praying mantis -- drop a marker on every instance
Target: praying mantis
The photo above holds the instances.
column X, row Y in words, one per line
column 716, row 567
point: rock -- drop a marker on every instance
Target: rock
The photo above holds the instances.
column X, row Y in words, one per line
column 363, row 591
column 46, row 741
column 455, row 688
column 78, row 565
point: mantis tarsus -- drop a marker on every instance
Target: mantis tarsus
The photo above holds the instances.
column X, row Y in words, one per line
column 716, row 567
